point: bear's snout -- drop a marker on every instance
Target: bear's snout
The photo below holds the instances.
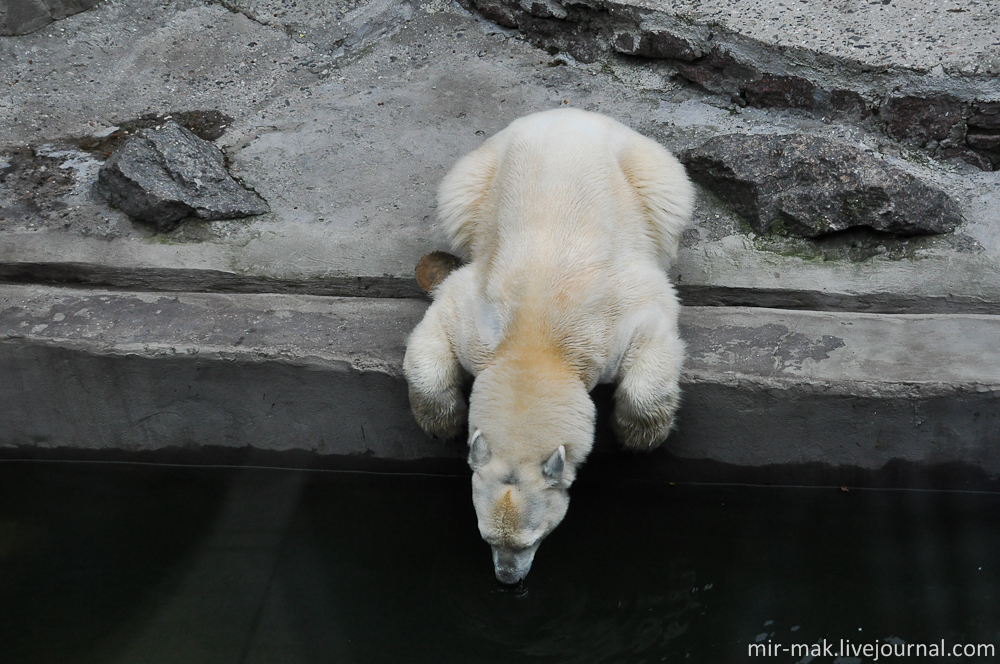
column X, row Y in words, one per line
column 511, row 567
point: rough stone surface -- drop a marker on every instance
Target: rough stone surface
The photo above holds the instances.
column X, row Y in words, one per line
column 19, row 17
column 576, row 39
column 825, row 65
column 339, row 28
column 849, row 103
column 780, row 92
column 122, row 60
column 657, row 44
column 810, row 186
column 853, row 32
column 921, row 119
column 498, row 13
column 721, row 71
column 984, row 141
column 984, row 121
column 980, row 161
column 166, row 174
column 208, row 125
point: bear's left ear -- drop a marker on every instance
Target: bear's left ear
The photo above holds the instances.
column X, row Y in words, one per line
column 553, row 468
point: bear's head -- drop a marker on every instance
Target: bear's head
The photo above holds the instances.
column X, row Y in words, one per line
column 529, row 431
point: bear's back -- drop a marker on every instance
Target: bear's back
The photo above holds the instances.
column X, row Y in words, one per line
column 562, row 180
column 568, row 219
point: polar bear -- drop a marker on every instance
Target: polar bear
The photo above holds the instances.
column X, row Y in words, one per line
column 568, row 221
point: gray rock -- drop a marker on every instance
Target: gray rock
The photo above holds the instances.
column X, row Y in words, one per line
column 19, row 17
column 63, row 8
column 167, row 173
column 809, row 186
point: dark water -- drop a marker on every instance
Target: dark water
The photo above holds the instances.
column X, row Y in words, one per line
column 129, row 563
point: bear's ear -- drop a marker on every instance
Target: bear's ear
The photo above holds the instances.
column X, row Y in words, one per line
column 553, row 468
column 479, row 454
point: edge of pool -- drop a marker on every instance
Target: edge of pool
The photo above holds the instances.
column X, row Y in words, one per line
column 770, row 396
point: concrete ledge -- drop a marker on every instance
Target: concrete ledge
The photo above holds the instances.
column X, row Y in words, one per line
column 108, row 370
column 91, row 369
column 779, row 387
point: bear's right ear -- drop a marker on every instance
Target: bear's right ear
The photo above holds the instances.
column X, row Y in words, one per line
column 479, row 454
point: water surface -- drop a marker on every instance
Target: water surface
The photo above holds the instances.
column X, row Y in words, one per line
column 141, row 563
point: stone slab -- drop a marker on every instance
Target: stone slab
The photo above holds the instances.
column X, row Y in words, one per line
column 93, row 370
column 349, row 162
column 959, row 37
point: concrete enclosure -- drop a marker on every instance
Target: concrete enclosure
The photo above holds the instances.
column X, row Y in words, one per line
column 284, row 332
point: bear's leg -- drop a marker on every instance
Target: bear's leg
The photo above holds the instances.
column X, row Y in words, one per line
column 648, row 392
column 435, row 376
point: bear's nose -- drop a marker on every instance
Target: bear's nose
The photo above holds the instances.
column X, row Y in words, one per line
column 509, row 576
column 511, row 566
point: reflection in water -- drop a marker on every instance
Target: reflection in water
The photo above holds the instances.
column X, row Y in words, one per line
column 571, row 622
column 102, row 563
column 90, row 552
column 12, row 537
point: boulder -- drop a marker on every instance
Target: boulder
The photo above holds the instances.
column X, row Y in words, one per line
column 809, row 186
column 166, row 173
column 19, row 17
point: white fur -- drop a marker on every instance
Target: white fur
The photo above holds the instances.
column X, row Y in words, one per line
column 568, row 221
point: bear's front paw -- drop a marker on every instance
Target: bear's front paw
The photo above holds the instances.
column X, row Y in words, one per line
column 441, row 415
column 644, row 426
